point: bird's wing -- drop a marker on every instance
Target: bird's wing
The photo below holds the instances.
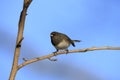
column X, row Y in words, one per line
column 72, row 42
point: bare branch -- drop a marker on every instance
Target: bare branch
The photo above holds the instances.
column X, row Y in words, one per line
column 19, row 39
column 49, row 56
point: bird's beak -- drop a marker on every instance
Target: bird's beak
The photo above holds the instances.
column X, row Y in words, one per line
column 51, row 35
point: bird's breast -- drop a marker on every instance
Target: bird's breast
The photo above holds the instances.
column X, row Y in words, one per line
column 63, row 44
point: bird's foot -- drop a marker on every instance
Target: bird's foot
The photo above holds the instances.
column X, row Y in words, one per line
column 55, row 53
column 67, row 51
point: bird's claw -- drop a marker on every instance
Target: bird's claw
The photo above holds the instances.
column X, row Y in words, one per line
column 55, row 53
column 67, row 51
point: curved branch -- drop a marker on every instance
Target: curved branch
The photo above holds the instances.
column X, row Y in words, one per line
column 70, row 51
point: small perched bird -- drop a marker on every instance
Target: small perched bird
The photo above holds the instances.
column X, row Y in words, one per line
column 61, row 41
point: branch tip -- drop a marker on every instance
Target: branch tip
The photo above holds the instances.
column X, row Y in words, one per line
column 51, row 59
column 25, row 59
column 27, row 3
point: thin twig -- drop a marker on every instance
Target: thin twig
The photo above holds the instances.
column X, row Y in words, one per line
column 49, row 56
column 51, row 59
column 24, row 59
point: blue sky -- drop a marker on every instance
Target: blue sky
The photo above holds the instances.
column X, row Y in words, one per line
column 95, row 22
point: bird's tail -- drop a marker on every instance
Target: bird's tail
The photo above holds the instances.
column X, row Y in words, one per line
column 76, row 40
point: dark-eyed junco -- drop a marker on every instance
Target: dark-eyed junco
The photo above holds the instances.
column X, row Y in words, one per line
column 61, row 41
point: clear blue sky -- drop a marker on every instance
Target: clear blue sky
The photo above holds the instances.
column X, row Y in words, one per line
column 95, row 22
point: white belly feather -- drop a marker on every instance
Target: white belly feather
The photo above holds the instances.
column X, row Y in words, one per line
column 63, row 45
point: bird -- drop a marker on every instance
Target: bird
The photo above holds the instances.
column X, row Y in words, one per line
column 61, row 41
